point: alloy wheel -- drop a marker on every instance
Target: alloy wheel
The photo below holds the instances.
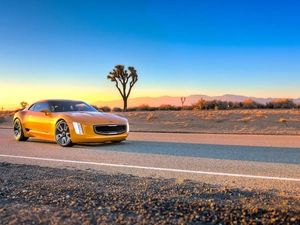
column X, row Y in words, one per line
column 62, row 134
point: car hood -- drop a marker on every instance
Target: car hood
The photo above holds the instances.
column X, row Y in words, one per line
column 93, row 118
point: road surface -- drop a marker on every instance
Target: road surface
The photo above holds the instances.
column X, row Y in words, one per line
column 240, row 161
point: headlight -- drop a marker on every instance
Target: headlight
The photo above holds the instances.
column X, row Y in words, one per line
column 127, row 127
column 78, row 128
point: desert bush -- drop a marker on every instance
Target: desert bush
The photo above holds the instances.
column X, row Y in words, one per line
column 260, row 106
column 281, row 104
column 201, row 104
column 2, row 119
column 117, row 109
column 236, row 105
column 210, row 104
column 194, row 106
column 177, row 108
column 270, row 105
column 150, row 116
column 166, row 107
column 188, row 107
column 143, row 107
column 153, row 108
column 288, row 104
column 105, row 108
column 132, row 109
column 214, row 104
column 221, row 104
column 249, row 104
column 282, row 120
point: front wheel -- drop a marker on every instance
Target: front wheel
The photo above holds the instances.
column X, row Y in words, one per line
column 18, row 131
column 62, row 134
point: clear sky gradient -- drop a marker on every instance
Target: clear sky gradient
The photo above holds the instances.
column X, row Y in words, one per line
column 66, row 48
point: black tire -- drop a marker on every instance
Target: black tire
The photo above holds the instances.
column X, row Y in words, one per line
column 117, row 141
column 18, row 131
column 62, row 134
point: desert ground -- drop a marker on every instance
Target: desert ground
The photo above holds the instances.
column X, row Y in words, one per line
column 263, row 121
column 255, row 121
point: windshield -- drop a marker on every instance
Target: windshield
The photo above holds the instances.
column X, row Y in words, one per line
column 71, row 106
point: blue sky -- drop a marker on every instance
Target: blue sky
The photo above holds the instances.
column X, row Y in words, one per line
column 66, row 48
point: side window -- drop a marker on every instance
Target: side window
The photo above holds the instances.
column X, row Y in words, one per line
column 31, row 108
column 41, row 106
column 81, row 107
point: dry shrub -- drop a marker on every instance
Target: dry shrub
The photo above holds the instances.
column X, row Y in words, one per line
column 282, row 120
column 246, row 119
column 117, row 109
column 199, row 114
column 143, row 107
column 249, row 104
column 166, row 107
column 150, row 116
column 209, row 116
column 295, row 112
column 102, row 108
column 259, row 114
column 225, row 113
column 281, row 103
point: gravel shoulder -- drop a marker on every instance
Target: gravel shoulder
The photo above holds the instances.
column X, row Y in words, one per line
column 41, row 195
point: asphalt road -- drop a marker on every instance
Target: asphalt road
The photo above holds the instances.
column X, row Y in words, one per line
column 239, row 161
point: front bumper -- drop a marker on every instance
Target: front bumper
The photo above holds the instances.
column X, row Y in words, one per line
column 89, row 135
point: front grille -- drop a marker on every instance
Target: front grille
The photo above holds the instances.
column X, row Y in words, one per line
column 110, row 129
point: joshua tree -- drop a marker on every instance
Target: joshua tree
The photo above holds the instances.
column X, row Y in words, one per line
column 183, row 100
column 121, row 76
column 23, row 105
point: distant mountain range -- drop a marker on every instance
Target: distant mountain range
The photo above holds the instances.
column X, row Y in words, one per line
column 157, row 101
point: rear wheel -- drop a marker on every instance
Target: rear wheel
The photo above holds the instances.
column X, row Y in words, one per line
column 62, row 134
column 18, row 131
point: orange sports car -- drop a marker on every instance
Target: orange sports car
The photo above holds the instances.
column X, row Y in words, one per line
column 68, row 122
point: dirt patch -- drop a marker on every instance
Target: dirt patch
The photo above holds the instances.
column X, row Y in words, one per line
column 258, row 121
column 264, row 121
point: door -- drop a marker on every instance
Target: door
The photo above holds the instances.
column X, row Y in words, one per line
column 39, row 122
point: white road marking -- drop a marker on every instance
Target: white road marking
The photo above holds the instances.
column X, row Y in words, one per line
column 155, row 168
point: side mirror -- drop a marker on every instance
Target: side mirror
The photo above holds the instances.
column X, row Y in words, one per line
column 46, row 112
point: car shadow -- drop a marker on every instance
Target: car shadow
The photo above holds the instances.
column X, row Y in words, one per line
column 78, row 145
column 213, row 151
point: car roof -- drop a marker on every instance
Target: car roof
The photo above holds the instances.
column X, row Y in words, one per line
column 58, row 100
